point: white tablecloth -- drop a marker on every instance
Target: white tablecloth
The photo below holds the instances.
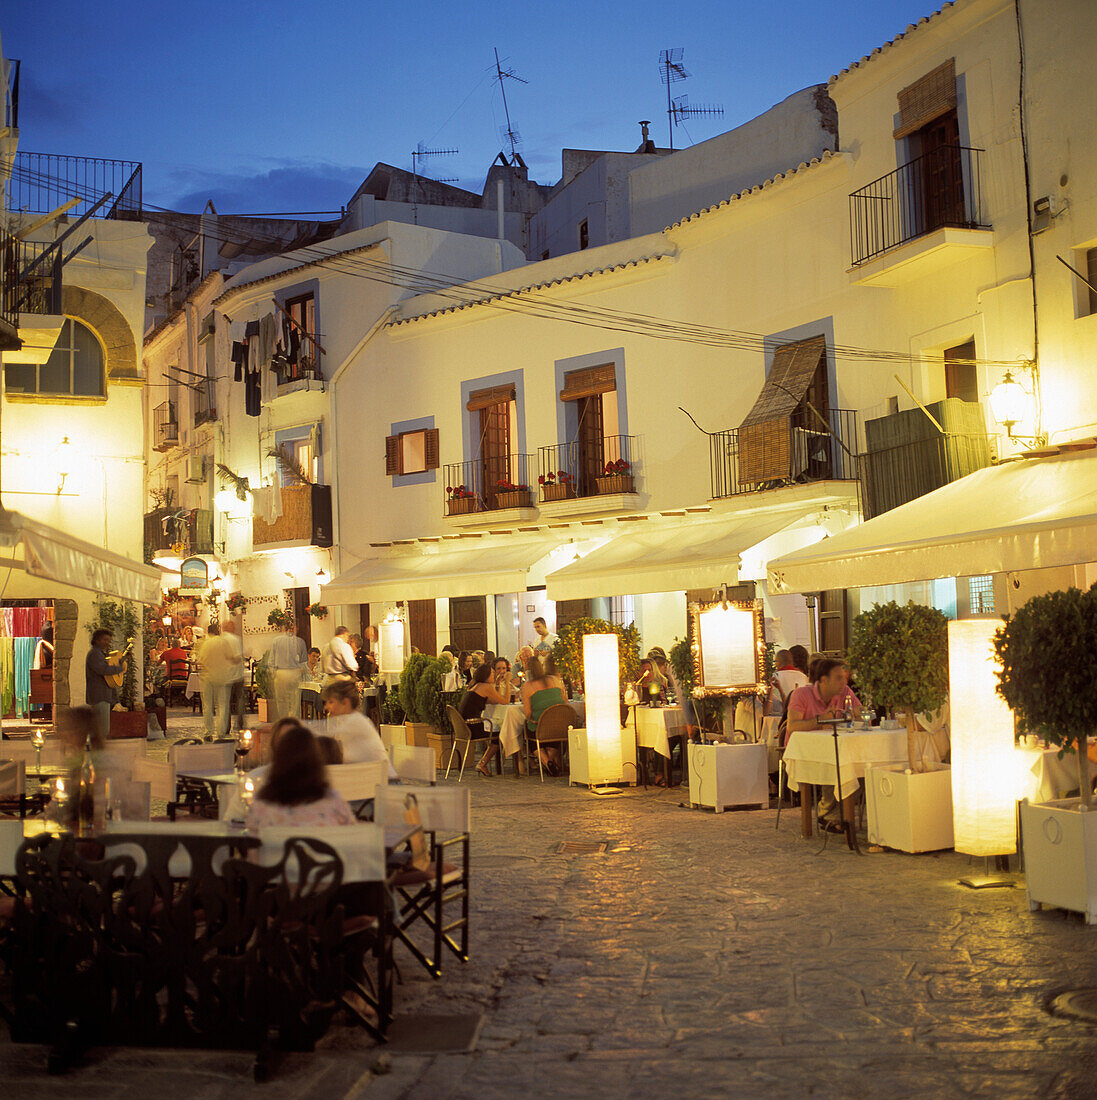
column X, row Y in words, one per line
column 194, row 684
column 1043, row 777
column 510, row 722
column 653, row 724
column 771, row 732
column 809, row 757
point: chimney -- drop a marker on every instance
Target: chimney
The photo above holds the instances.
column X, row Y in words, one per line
column 646, row 144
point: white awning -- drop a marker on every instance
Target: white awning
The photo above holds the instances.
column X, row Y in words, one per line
column 1036, row 513
column 670, row 557
column 420, row 575
column 45, row 552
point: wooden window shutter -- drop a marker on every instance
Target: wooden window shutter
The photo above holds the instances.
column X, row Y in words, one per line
column 430, row 448
column 392, row 454
column 930, row 97
column 587, row 383
column 494, row 395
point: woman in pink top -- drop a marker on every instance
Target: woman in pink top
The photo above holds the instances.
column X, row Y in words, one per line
column 296, row 791
column 826, row 698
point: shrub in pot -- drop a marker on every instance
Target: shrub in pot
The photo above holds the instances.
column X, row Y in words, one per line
column 568, row 651
column 900, row 655
column 1048, row 653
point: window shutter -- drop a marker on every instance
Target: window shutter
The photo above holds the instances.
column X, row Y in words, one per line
column 431, row 448
column 484, row 399
column 392, row 454
column 926, row 99
column 587, row 383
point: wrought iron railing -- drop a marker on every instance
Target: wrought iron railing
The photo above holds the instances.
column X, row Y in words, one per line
column 192, row 528
column 588, row 468
column 488, row 484
column 32, row 277
column 41, row 182
column 205, row 399
column 9, row 280
column 939, row 189
column 895, row 475
column 165, row 426
column 816, row 452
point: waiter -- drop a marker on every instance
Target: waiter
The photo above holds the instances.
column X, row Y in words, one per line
column 98, row 694
column 287, row 658
column 338, row 660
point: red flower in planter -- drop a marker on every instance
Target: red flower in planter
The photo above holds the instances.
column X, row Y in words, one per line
column 547, row 479
column 621, row 466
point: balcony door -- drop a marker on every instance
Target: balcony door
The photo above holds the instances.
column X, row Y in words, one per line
column 495, row 448
column 942, row 177
column 812, row 445
column 591, row 440
column 593, row 391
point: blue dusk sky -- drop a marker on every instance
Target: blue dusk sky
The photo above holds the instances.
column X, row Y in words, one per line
column 278, row 106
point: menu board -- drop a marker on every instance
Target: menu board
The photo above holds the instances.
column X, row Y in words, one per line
column 728, row 647
column 391, row 646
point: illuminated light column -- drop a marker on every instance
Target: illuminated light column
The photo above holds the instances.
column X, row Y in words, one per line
column 984, row 785
column 602, row 681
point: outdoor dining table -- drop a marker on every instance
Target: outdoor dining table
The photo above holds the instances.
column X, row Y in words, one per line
column 809, row 760
column 655, row 727
column 1045, row 776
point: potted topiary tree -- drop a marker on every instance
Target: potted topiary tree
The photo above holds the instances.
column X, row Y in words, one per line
column 120, row 618
column 419, row 722
column 1048, row 654
column 568, row 651
column 899, row 655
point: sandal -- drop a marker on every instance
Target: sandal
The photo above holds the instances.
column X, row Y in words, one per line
column 483, row 771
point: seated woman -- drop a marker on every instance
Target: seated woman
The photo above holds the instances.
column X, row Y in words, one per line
column 480, row 693
column 296, row 790
column 358, row 735
column 542, row 690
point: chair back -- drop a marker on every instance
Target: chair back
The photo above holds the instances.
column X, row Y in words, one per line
column 360, row 848
column 11, row 837
column 12, row 778
column 159, row 775
column 53, row 752
column 393, row 735
column 461, row 731
column 177, row 669
column 204, row 758
column 123, row 752
column 441, row 809
column 353, row 782
column 555, row 723
column 415, row 762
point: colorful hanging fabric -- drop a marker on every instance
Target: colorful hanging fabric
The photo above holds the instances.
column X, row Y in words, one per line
column 7, row 674
column 24, row 655
column 6, row 621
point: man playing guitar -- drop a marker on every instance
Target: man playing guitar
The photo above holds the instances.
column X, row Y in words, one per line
column 101, row 674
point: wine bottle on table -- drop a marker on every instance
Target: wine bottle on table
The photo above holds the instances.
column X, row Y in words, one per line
column 85, row 798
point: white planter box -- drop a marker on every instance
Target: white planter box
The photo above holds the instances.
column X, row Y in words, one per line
column 911, row 813
column 579, row 760
column 393, row 735
column 728, row 775
column 1060, row 847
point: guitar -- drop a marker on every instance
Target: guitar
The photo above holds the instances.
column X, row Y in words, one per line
column 118, row 657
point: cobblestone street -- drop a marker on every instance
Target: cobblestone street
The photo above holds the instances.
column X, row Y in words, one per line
column 701, row 955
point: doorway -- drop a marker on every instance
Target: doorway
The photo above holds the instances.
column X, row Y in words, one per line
column 301, row 618
column 468, row 622
column 941, row 177
column 422, row 626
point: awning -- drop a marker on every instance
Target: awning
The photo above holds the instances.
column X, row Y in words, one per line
column 430, row 575
column 676, row 557
column 1036, row 513
column 45, row 552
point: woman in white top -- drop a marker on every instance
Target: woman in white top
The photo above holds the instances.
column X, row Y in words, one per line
column 347, row 724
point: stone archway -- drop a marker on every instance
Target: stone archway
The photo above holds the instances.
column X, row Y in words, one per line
column 106, row 319
column 65, row 618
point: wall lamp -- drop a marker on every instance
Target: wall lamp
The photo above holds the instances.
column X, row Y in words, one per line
column 1012, row 404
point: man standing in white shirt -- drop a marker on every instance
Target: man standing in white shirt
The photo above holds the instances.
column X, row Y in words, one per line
column 234, row 652
column 287, row 659
column 545, row 640
column 338, row 659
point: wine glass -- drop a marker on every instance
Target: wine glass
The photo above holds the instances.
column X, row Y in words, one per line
column 38, row 741
column 243, row 747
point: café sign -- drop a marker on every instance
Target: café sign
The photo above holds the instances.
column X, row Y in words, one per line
column 193, row 573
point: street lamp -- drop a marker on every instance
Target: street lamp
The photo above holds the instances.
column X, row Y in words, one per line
column 1010, row 403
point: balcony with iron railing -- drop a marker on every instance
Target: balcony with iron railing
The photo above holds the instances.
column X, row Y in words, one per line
column 795, row 453
column 305, row 519
column 32, row 277
column 205, row 397
column 42, row 182
column 605, row 466
column 165, row 426
column 9, row 294
column 939, row 190
column 487, row 485
column 189, row 529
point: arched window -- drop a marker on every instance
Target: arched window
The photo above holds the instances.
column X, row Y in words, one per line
column 74, row 368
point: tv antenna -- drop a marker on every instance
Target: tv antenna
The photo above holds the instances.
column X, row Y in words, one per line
column 672, row 71
column 509, row 134
column 418, row 155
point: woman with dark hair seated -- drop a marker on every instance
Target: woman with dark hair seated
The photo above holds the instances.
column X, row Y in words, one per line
column 481, row 692
column 296, row 790
column 542, row 690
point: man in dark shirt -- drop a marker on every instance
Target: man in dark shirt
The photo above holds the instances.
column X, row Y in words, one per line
column 99, row 695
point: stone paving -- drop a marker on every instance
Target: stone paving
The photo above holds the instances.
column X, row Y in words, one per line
column 703, row 955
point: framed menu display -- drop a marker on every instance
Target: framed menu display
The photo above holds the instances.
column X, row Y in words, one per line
column 728, row 645
column 390, row 644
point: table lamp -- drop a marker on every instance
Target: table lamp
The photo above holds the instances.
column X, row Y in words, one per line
column 983, row 768
column 602, row 679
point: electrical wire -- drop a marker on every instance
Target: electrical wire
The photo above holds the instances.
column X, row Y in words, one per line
column 465, row 293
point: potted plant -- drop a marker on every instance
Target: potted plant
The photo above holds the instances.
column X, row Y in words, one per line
column 558, row 485
column 509, row 495
column 461, row 501
column 317, row 610
column 1048, row 676
column 422, row 718
column 122, row 621
column 264, row 688
column 393, row 731
column 568, row 651
column 899, row 655
column 279, row 618
column 235, row 602
column 616, row 477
